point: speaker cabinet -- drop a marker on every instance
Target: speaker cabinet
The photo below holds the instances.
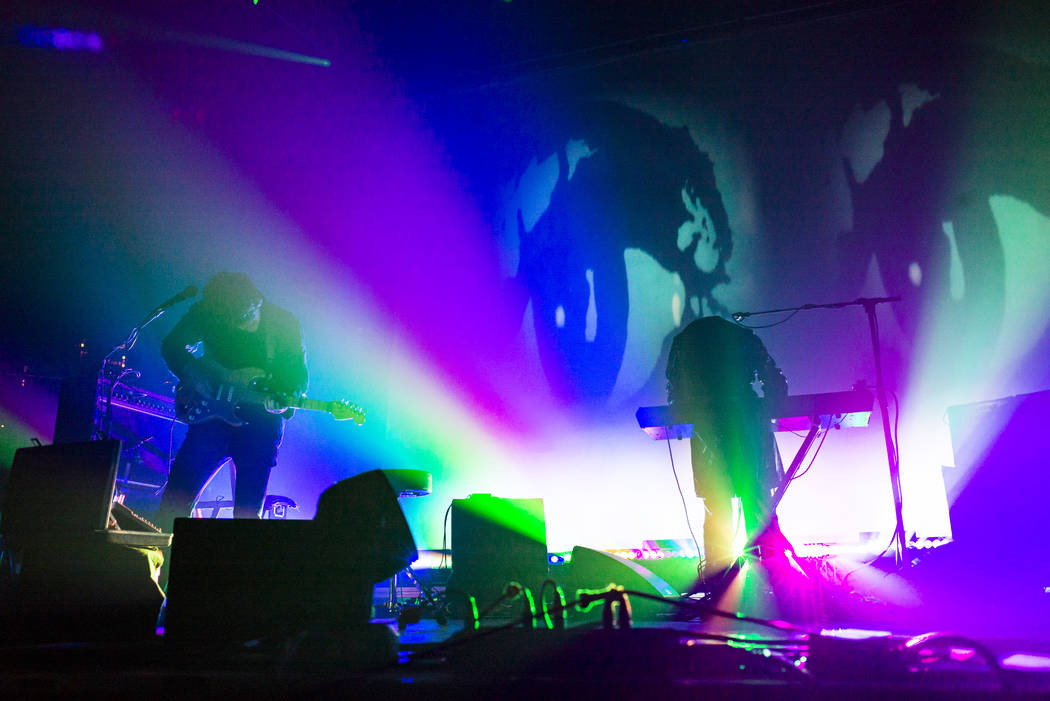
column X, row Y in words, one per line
column 72, row 583
column 496, row 541
column 596, row 569
column 244, row 579
column 142, row 420
column 998, row 502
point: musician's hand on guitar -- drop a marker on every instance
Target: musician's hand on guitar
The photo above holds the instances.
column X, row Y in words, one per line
column 273, row 405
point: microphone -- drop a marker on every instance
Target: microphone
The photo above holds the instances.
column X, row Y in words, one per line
column 129, row 342
column 740, row 316
column 190, row 291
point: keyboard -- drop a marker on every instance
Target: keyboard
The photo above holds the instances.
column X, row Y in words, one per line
column 800, row 412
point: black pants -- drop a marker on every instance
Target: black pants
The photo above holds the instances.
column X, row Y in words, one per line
column 253, row 447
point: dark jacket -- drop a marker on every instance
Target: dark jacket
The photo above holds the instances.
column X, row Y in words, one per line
column 199, row 343
column 715, row 361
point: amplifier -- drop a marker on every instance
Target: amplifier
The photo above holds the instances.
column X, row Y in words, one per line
column 495, row 541
column 142, row 420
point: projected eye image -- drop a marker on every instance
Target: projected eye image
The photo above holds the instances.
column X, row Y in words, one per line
column 631, row 207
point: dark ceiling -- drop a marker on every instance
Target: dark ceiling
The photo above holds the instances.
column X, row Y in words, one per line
column 451, row 45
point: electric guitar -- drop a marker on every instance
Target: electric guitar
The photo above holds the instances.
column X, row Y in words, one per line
column 200, row 402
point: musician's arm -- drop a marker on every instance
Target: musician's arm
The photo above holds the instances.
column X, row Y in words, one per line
column 187, row 359
column 289, row 374
column 774, row 384
column 179, row 348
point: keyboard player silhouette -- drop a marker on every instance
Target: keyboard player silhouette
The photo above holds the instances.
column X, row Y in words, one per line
column 711, row 369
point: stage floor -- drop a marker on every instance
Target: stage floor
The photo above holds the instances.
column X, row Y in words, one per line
column 655, row 660
column 831, row 631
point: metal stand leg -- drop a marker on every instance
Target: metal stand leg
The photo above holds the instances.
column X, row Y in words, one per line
column 392, row 605
column 426, row 594
column 899, row 538
column 407, row 613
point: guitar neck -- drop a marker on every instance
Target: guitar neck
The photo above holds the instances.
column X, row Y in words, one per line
column 339, row 410
column 304, row 403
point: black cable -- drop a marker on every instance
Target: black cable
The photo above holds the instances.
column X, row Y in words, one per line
column 171, row 458
column 889, row 545
column 816, row 452
column 108, row 422
column 529, row 615
column 989, row 657
column 681, row 494
column 878, row 557
column 171, row 442
column 471, row 616
column 691, row 605
column 478, row 635
column 893, row 539
column 767, row 326
column 559, row 596
column 444, row 533
column 507, row 595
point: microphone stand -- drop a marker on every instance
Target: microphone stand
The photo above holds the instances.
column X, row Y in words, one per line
column 102, row 422
column 892, row 458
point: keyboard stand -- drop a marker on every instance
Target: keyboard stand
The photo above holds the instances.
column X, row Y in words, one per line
column 816, row 423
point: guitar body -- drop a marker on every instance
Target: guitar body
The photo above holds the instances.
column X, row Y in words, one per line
column 194, row 407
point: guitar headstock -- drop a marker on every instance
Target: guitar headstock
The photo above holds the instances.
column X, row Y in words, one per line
column 343, row 410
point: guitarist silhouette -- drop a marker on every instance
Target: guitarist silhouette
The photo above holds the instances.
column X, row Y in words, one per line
column 241, row 361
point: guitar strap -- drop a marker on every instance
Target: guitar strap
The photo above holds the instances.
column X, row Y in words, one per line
column 270, row 340
column 271, row 346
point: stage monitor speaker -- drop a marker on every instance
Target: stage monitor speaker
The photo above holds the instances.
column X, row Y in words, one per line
column 596, row 569
column 72, row 584
column 998, row 502
column 59, row 491
column 496, row 541
column 236, row 580
column 363, row 513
